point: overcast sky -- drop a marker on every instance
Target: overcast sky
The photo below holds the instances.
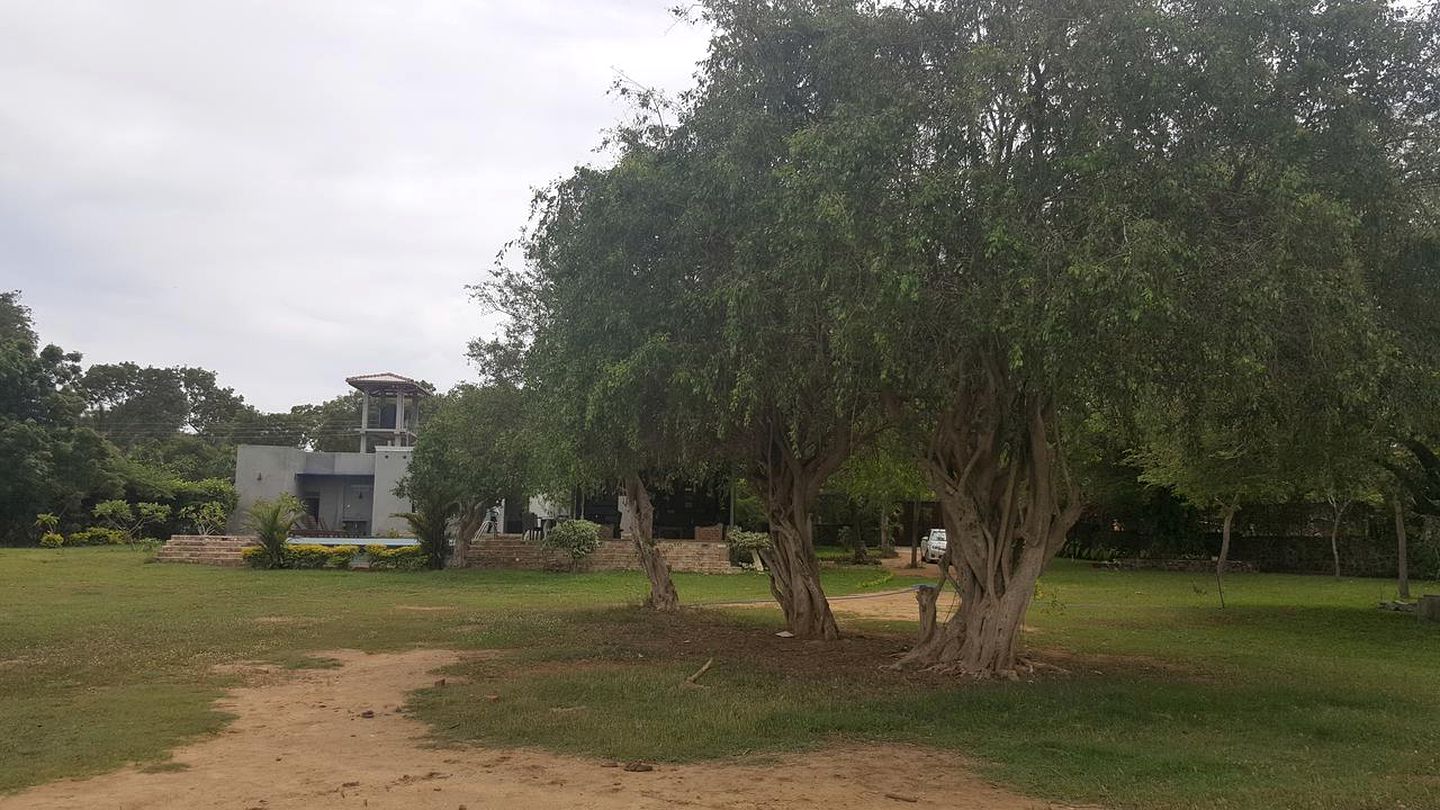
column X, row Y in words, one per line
column 293, row 191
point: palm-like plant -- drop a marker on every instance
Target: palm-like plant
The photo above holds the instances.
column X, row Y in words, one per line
column 430, row 522
column 272, row 522
column 47, row 522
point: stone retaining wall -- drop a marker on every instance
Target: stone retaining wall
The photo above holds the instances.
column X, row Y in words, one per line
column 487, row 551
column 514, row 551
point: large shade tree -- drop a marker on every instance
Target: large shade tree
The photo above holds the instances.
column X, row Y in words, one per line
column 1107, row 200
column 995, row 224
column 604, row 333
column 791, row 101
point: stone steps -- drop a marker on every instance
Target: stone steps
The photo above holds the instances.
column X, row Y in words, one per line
column 221, row 550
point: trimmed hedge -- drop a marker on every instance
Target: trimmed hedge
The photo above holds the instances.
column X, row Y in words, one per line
column 305, row 556
column 401, row 558
column 97, row 536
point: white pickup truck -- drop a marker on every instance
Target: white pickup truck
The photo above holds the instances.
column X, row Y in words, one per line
column 933, row 547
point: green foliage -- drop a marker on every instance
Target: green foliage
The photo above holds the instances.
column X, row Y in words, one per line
column 431, row 524
column 98, row 536
column 577, row 538
column 272, row 522
column 133, row 521
column 741, row 540
column 1419, row 478
column 52, row 540
column 473, row 452
column 52, row 463
column 47, row 522
column 400, row 558
column 206, row 518
column 302, row 556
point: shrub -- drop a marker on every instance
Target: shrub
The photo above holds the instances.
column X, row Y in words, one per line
column 306, row 556
column 206, row 518
column 47, row 523
column 316, row 556
column 403, row 558
column 97, row 536
column 340, row 556
column 577, row 538
column 52, row 540
column 121, row 516
column 741, row 540
column 745, row 547
column 272, row 522
column 302, row 556
column 430, row 523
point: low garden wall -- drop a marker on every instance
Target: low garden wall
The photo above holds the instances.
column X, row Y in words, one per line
column 514, row 551
column 487, row 551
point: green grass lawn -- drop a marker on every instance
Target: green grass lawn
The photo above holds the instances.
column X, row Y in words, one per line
column 1300, row 694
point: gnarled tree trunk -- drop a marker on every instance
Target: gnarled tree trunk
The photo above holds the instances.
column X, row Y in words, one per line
column 1007, row 502
column 467, row 524
column 657, row 569
column 789, row 486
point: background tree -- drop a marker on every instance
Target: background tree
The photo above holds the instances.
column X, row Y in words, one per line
column 474, row 452
column 875, row 481
column 52, row 463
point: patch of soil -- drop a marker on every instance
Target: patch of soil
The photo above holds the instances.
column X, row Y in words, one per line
column 694, row 635
column 900, row 566
column 901, row 606
column 336, row 739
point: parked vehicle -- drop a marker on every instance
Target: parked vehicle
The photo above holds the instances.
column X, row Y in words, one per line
column 934, row 546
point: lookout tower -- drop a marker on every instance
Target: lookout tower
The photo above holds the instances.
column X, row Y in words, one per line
column 389, row 410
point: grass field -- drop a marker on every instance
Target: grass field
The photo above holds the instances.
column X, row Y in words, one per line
column 1298, row 695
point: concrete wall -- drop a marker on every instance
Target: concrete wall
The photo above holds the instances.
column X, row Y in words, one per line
column 391, row 463
column 265, row 473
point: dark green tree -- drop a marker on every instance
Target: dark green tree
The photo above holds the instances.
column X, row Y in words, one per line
column 473, row 453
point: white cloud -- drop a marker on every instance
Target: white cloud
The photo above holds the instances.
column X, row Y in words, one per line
column 292, row 192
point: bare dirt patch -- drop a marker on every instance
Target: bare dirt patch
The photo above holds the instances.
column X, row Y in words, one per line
column 336, row 738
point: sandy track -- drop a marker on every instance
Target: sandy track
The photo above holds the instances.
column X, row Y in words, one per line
column 299, row 741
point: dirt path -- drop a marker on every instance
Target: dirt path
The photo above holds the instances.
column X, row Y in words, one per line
column 299, row 741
